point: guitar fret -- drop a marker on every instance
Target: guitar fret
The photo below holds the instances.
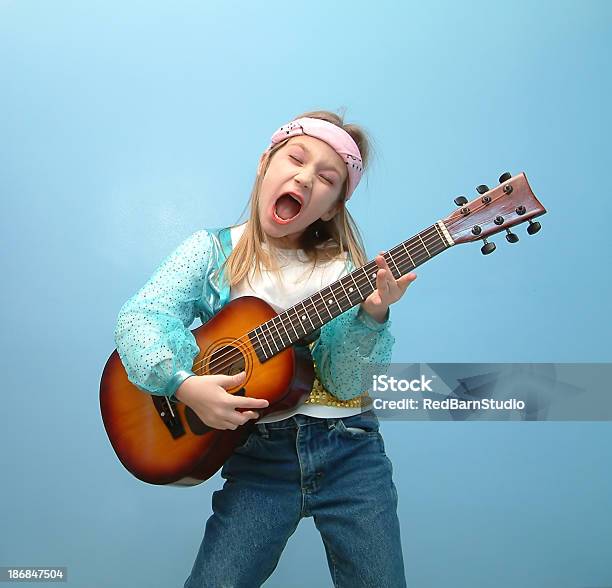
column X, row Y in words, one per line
column 268, row 328
column 269, row 337
column 325, row 305
column 271, row 323
column 395, row 266
column 308, row 317
column 410, row 256
column 372, row 282
column 419, row 251
column 317, row 311
column 367, row 277
column 297, row 335
column 439, row 233
column 356, row 286
column 286, row 331
column 277, row 321
column 261, row 330
column 345, row 293
column 258, row 340
column 435, row 234
column 337, row 303
column 419, row 235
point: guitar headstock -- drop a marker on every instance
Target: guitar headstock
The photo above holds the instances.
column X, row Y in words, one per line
column 495, row 210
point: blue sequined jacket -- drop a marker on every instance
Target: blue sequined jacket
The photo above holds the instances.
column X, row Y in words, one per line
column 157, row 348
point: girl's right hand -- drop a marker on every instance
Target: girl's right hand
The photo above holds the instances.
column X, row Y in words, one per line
column 208, row 398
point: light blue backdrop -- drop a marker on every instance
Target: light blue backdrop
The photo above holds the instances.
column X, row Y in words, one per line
column 126, row 126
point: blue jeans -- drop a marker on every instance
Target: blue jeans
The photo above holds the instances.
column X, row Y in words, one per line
column 300, row 467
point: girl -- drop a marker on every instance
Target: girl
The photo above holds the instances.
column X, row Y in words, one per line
column 326, row 457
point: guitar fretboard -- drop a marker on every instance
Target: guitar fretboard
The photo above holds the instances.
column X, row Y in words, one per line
column 305, row 317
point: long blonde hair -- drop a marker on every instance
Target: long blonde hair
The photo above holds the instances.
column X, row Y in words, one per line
column 321, row 241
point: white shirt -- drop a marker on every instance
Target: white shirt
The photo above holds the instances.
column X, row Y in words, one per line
column 299, row 281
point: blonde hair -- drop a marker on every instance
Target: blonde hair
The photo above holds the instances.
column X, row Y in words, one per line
column 321, row 241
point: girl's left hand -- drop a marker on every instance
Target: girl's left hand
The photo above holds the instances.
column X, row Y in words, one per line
column 388, row 290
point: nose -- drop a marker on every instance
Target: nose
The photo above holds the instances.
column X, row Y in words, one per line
column 304, row 178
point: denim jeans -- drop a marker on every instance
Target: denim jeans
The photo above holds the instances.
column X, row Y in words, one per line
column 334, row 470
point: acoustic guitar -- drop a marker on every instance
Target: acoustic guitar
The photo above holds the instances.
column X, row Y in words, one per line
column 162, row 441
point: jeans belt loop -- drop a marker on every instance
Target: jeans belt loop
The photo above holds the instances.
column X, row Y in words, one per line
column 263, row 431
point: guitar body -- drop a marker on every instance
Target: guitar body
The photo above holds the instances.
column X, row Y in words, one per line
column 164, row 442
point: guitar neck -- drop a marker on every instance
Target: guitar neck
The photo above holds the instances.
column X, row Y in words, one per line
column 305, row 317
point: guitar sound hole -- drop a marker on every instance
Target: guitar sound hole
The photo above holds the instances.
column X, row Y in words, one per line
column 226, row 360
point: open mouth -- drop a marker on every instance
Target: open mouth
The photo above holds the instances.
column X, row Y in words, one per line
column 286, row 208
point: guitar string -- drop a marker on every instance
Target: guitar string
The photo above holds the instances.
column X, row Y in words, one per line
column 232, row 354
column 216, row 362
column 363, row 279
column 219, row 363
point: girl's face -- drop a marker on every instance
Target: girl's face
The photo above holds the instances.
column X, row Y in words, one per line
column 313, row 172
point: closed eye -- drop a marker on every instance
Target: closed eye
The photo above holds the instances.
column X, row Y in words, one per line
column 329, row 180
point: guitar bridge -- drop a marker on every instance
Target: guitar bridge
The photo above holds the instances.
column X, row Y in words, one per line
column 169, row 416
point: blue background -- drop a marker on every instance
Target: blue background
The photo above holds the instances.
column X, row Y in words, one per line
column 127, row 126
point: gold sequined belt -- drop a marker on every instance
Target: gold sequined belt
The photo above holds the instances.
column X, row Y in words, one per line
column 319, row 395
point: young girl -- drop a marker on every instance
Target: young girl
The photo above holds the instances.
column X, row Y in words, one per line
column 326, row 457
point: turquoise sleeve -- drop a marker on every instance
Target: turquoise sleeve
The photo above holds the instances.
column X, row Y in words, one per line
column 348, row 344
column 152, row 333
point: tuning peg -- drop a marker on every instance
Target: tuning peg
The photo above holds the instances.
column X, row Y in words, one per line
column 487, row 247
column 460, row 200
column 534, row 227
column 504, row 177
column 482, row 188
column 511, row 237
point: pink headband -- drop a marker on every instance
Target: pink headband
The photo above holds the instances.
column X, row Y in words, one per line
column 333, row 135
